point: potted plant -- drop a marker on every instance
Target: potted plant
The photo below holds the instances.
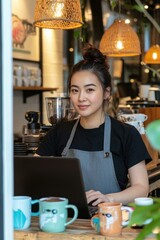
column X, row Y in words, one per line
column 142, row 213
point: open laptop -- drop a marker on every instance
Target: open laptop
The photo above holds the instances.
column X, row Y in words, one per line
column 40, row 177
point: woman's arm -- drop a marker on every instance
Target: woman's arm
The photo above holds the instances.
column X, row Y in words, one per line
column 139, row 187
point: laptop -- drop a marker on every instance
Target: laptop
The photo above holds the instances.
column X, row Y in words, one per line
column 40, row 177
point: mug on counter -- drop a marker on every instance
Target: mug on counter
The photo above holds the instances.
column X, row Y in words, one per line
column 140, row 117
column 53, row 213
column 154, row 94
column 144, row 201
column 143, row 91
column 133, row 117
column 110, row 219
column 22, row 212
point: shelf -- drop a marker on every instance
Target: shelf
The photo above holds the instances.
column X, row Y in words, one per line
column 35, row 89
column 30, row 91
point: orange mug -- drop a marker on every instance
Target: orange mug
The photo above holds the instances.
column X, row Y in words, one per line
column 110, row 220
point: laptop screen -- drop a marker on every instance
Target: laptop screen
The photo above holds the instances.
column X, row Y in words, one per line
column 40, row 177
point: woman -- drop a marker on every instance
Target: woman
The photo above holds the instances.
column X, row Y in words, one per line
column 109, row 151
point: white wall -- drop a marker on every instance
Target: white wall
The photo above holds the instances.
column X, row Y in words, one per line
column 52, row 70
column 52, row 64
column 20, row 108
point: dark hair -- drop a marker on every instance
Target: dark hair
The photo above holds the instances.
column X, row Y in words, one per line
column 95, row 62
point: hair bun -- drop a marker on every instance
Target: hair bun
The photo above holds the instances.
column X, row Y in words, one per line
column 92, row 54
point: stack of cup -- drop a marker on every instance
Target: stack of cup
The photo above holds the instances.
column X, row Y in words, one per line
column 136, row 120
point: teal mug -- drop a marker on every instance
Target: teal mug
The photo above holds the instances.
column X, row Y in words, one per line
column 22, row 212
column 53, row 213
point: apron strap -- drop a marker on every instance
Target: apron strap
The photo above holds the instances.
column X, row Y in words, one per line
column 70, row 138
column 107, row 136
column 106, row 140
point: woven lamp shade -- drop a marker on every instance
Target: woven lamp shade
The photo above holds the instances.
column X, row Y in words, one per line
column 152, row 56
column 120, row 40
column 58, row 14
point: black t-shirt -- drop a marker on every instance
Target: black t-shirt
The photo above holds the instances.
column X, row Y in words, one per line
column 126, row 145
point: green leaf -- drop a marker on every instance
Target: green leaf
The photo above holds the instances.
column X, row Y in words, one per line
column 113, row 3
column 147, row 230
column 137, row 8
column 142, row 213
column 77, row 33
column 158, row 236
column 153, row 133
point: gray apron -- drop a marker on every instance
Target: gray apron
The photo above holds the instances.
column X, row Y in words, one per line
column 97, row 166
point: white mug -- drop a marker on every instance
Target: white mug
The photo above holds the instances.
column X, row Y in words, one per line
column 133, row 117
column 140, row 117
column 126, row 117
column 22, row 211
column 151, row 95
column 19, row 82
column 144, row 201
column 143, row 91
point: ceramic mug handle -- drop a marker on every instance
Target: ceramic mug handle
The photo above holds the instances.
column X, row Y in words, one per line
column 34, row 214
column 75, row 209
column 145, row 117
column 129, row 210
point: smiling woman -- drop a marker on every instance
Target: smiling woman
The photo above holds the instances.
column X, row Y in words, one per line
column 108, row 149
column 87, row 97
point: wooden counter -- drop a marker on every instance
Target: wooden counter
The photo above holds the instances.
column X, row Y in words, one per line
column 79, row 230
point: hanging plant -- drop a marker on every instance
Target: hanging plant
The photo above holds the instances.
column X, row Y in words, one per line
column 113, row 4
column 81, row 33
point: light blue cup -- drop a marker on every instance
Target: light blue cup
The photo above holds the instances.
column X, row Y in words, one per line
column 53, row 213
column 22, row 212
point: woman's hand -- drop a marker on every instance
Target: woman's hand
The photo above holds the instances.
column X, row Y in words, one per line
column 139, row 187
column 96, row 197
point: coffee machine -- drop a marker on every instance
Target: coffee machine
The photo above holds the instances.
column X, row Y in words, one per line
column 32, row 131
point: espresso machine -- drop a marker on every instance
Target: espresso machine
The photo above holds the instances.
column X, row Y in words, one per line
column 58, row 109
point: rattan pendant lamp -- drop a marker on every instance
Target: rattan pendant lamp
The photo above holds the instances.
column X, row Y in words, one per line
column 58, row 14
column 152, row 56
column 120, row 39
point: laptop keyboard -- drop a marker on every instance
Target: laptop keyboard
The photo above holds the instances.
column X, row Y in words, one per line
column 92, row 210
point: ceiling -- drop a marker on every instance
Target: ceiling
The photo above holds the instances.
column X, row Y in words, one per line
column 102, row 16
column 131, row 7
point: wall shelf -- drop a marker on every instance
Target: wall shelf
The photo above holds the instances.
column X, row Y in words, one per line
column 30, row 91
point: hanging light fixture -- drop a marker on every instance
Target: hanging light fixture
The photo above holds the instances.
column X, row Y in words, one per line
column 152, row 56
column 58, row 14
column 120, row 40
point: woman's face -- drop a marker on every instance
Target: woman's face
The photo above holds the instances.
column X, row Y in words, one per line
column 87, row 94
